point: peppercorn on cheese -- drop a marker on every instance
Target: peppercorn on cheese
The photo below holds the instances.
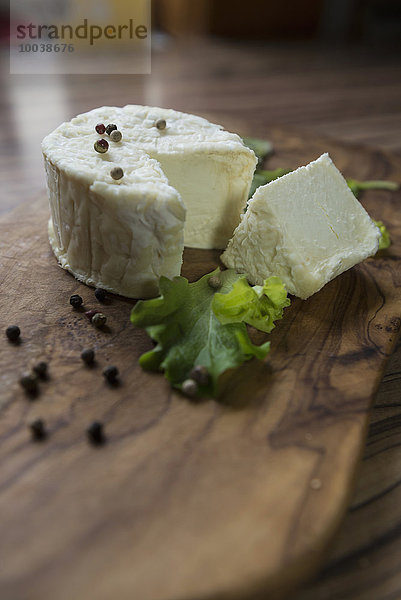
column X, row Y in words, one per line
column 187, row 182
column 307, row 227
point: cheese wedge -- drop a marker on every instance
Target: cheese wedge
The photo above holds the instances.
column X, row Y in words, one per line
column 307, row 227
column 188, row 182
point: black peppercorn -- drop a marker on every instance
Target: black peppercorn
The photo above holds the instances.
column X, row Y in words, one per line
column 100, row 128
column 88, row 356
column 161, row 124
column 95, row 433
column 38, row 430
column 76, row 301
column 116, row 136
column 90, row 314
column 116, row 173
column 200, row 375
column 100, row 294
column 111, row 127
column 101, row 146
column 13, row 333
column 214, row 282
column 111, row 374
column 189, row 387
column 29, row 382
column 40, row 369
column 99, row 320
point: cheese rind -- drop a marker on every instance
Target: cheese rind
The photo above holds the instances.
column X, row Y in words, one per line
column 123, row 235
column 307, row 227
column 118, row 235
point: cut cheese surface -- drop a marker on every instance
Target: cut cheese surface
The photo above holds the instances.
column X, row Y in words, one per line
column 188, row 182
column 306, row 227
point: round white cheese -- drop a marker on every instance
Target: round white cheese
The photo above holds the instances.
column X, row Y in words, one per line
column 190, row 179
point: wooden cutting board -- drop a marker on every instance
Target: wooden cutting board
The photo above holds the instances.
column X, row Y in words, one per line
column 233, row 499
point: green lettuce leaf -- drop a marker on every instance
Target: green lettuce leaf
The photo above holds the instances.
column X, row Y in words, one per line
column 262, row 148
column 258, row 306
column 359, row 186
column 385, row 240
column 188, row 333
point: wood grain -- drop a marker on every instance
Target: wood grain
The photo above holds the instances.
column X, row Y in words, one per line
column 225, row 500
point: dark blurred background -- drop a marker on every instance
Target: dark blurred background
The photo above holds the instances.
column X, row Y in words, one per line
column 337, row 20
